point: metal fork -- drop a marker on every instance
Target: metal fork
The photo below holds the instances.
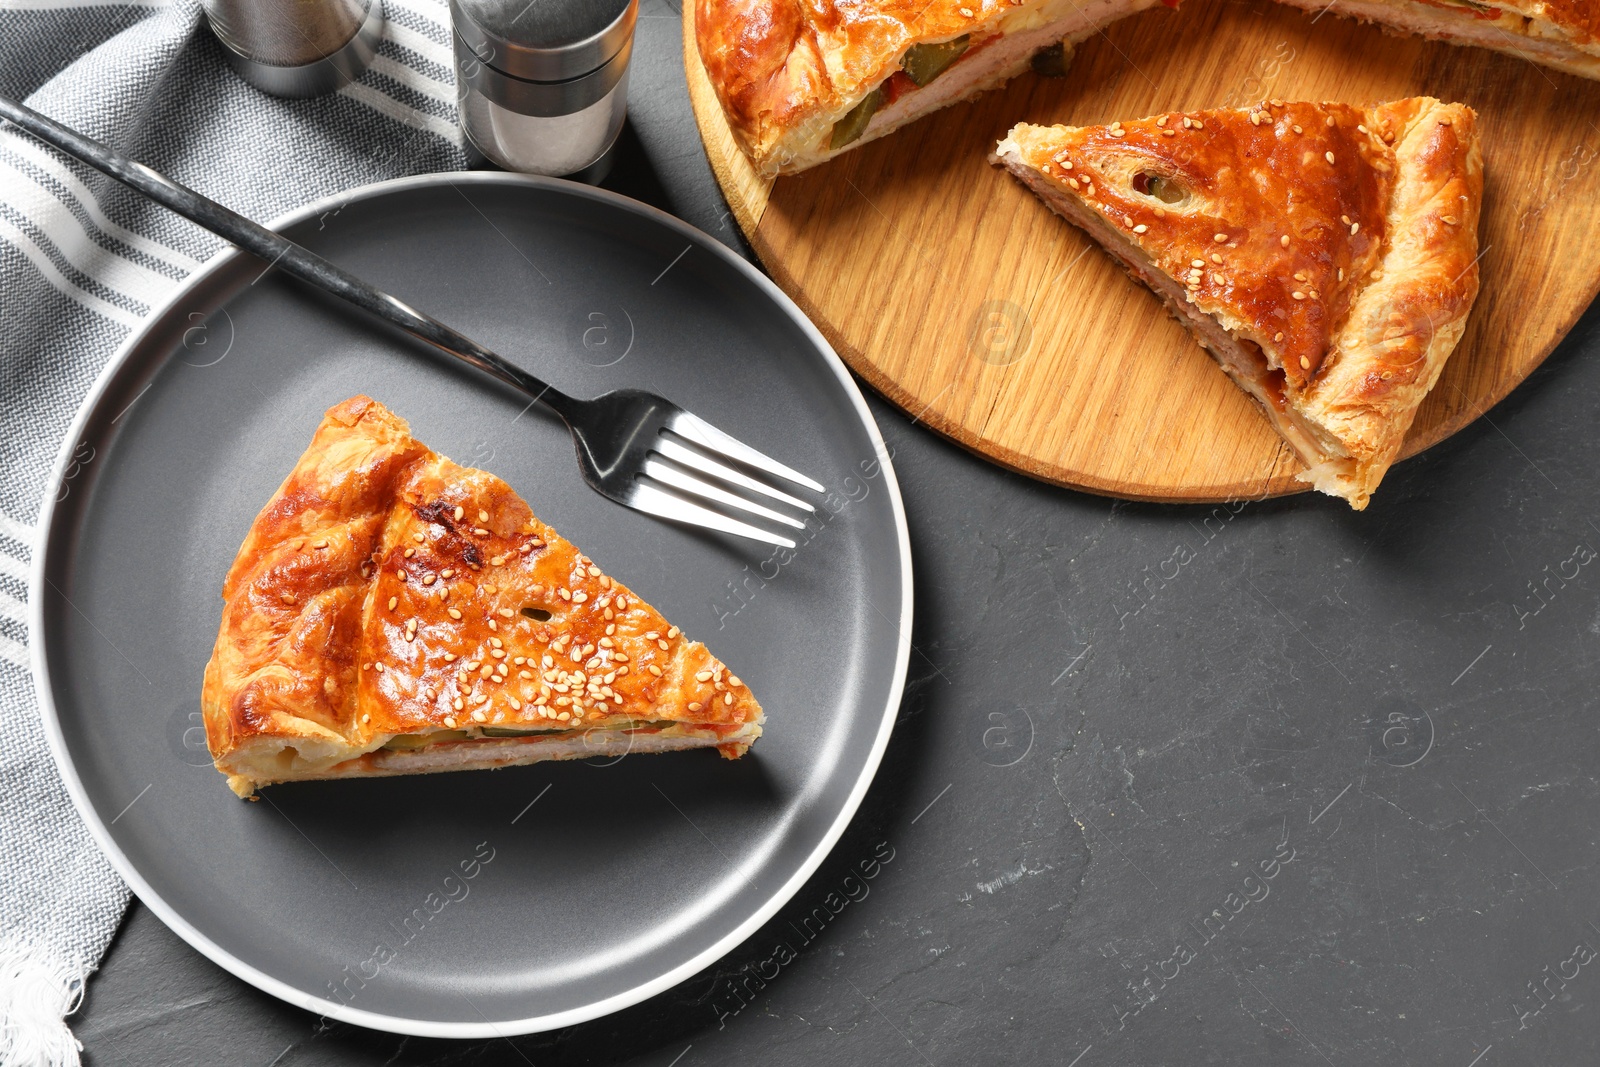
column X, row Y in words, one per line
column 636, row 448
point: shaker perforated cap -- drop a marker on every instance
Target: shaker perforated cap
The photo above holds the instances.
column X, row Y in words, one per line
column 544, row 40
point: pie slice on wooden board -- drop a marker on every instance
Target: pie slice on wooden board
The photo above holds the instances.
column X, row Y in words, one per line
column 1561, row 34
column 1325, row 254
column 391, row 612
column 803, row 80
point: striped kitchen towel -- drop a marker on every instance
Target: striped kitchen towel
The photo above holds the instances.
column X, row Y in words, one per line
column 82, row 260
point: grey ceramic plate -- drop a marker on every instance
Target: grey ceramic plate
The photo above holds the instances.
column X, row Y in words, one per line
column 445, row 905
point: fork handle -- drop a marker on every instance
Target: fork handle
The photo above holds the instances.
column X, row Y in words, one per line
column 279, row 251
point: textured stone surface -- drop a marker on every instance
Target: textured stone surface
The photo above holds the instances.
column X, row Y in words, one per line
column 1268, row 783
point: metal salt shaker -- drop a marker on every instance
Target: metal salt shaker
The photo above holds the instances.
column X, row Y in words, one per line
column 298, row 47
column 543, row 84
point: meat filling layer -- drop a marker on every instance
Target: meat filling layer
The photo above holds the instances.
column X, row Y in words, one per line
column 1480, row 25
column 937, row 74
column 1241, row 357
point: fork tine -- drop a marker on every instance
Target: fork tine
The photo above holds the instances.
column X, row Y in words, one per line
column 687, row 424
column 687, row 483
column 647, row 498
column 690, row 458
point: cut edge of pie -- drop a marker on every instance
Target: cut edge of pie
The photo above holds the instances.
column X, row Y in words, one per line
column 391, row 612
column 799, row 85
column 1563, row 35
column 1335, row 315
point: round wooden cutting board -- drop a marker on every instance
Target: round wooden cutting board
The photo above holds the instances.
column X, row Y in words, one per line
column 958, row 295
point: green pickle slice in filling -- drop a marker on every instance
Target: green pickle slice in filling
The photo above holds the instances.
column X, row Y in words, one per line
column 925, row 62
column 854, row 124
column 922, row 63
column 409, row 742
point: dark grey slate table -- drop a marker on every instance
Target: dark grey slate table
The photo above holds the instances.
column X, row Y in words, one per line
column 1263, row 783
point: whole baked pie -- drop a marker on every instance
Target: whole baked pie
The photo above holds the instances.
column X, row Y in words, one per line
column 1325, row 254
column 391, row 612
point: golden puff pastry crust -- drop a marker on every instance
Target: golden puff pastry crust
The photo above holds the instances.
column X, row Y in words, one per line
column 787, row 72
column 391, row 612
column 1326, row 254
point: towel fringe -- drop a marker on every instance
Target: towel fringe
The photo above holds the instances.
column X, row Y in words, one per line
column 38, row 990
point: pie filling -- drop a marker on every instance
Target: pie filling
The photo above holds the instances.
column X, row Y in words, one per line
column 1242, row 358
column 1474, row 23
column 413, row 742
column 269, row 760
column 934, row 74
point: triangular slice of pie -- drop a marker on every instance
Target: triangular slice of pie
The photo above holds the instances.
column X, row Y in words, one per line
column 1325, row 254
column 391, row 612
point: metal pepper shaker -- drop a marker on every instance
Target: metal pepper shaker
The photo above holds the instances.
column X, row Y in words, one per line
column 543, row 84
column 298, row 47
